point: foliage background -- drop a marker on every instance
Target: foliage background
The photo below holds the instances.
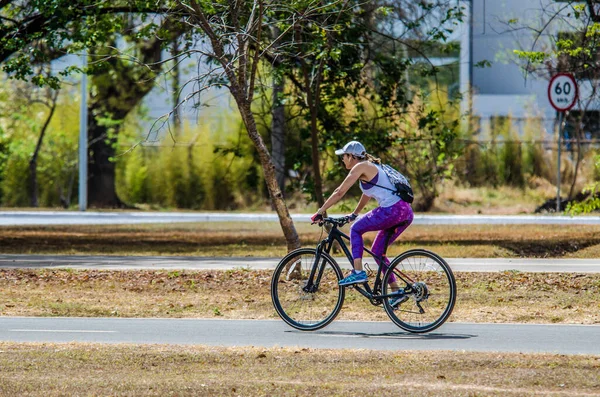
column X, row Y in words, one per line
column 212, row 165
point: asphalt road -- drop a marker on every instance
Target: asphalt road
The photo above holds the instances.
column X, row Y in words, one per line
column 16, row 218
column 562, row 339
column 559, row 339
column 206, row 263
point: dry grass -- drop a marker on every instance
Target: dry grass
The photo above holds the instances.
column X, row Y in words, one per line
column 265, row 239
column 589, row 252
column 91, row 369
column 501, row 200
column 245, row 294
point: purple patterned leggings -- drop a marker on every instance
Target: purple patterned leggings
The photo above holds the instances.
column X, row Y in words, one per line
column 381, row 219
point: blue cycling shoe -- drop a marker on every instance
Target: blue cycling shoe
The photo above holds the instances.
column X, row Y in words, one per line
column 354, row 278
column 398, row 299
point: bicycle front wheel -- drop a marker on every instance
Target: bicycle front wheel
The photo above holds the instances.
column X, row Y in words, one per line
column 305, row 290
column 429, row 291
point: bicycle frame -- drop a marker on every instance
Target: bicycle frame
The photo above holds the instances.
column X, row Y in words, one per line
column 306, row 293
column 374, row 295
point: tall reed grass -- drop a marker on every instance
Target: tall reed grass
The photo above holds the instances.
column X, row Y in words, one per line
column 506, row 155
column 207, row 166
column 212, row 165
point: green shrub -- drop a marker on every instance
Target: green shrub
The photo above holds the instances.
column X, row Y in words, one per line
column 512, row 164
column 510, row 159
column 135, row 178
column 15, row 175
column 491, row 166
column 470, row 169
column 57, row 159
column 208, row 167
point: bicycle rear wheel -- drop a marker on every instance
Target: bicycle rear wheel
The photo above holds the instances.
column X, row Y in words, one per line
column 304, row 303
column 430, row 291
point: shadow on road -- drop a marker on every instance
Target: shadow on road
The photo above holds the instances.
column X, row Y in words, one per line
column 390, row 335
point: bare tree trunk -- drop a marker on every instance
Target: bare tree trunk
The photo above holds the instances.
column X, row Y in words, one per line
column 101, row 166
column 285, row 220
column 116, row 93
column 33, row 186
column 278, row 135
column 33, row 183
column 242, row 78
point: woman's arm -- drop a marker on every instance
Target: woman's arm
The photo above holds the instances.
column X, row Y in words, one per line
column 364, row 199
column 338, row 193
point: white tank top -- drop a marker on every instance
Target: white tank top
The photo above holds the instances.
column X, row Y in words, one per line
column 384, row 197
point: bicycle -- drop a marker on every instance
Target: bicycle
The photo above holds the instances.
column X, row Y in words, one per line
column 306, row 294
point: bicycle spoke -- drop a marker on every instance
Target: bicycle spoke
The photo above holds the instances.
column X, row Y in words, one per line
column 431, row 292
column 312, row 309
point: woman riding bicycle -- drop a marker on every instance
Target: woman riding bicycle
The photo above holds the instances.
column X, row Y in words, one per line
column 390, row 218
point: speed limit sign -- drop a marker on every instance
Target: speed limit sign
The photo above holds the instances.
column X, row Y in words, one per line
column 562, row 92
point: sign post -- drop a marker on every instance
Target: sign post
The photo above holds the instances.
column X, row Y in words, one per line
column 562, row 93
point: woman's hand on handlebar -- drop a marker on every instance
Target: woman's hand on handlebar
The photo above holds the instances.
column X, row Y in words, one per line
column 316, row 218
column 347, row 219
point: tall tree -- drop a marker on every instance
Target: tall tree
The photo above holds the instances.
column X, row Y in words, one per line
column 118, row 87
column 349, row 73
column 50, row 102
column 36, row 32
column 237, row 42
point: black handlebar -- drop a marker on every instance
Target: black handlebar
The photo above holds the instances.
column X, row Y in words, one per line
column 335, row 221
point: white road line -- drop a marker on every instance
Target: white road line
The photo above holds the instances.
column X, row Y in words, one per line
column 81, row 331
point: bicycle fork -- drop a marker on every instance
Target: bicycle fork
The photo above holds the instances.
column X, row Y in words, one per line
column 312, row 285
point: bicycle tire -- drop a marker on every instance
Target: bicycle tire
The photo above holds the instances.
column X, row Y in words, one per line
column 306, row 311
column 433, row 289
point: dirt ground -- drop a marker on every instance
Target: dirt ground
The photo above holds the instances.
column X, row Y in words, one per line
column 502, row 297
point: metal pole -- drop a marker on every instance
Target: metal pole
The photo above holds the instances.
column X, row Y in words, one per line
column 83, row 135
column 466, row 60
column 471, row 58
column 560, row 128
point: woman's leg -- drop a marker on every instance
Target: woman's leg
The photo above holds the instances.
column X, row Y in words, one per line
column 368, row 222
column 400, row 212
column 380, row 218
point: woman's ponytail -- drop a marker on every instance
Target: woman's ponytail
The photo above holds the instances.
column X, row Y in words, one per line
column 373, row 159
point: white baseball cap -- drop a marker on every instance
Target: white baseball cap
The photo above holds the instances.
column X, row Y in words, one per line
column 353, row 147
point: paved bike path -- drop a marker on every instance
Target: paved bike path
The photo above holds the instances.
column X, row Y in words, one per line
column 206, row 263
column 527, row 338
